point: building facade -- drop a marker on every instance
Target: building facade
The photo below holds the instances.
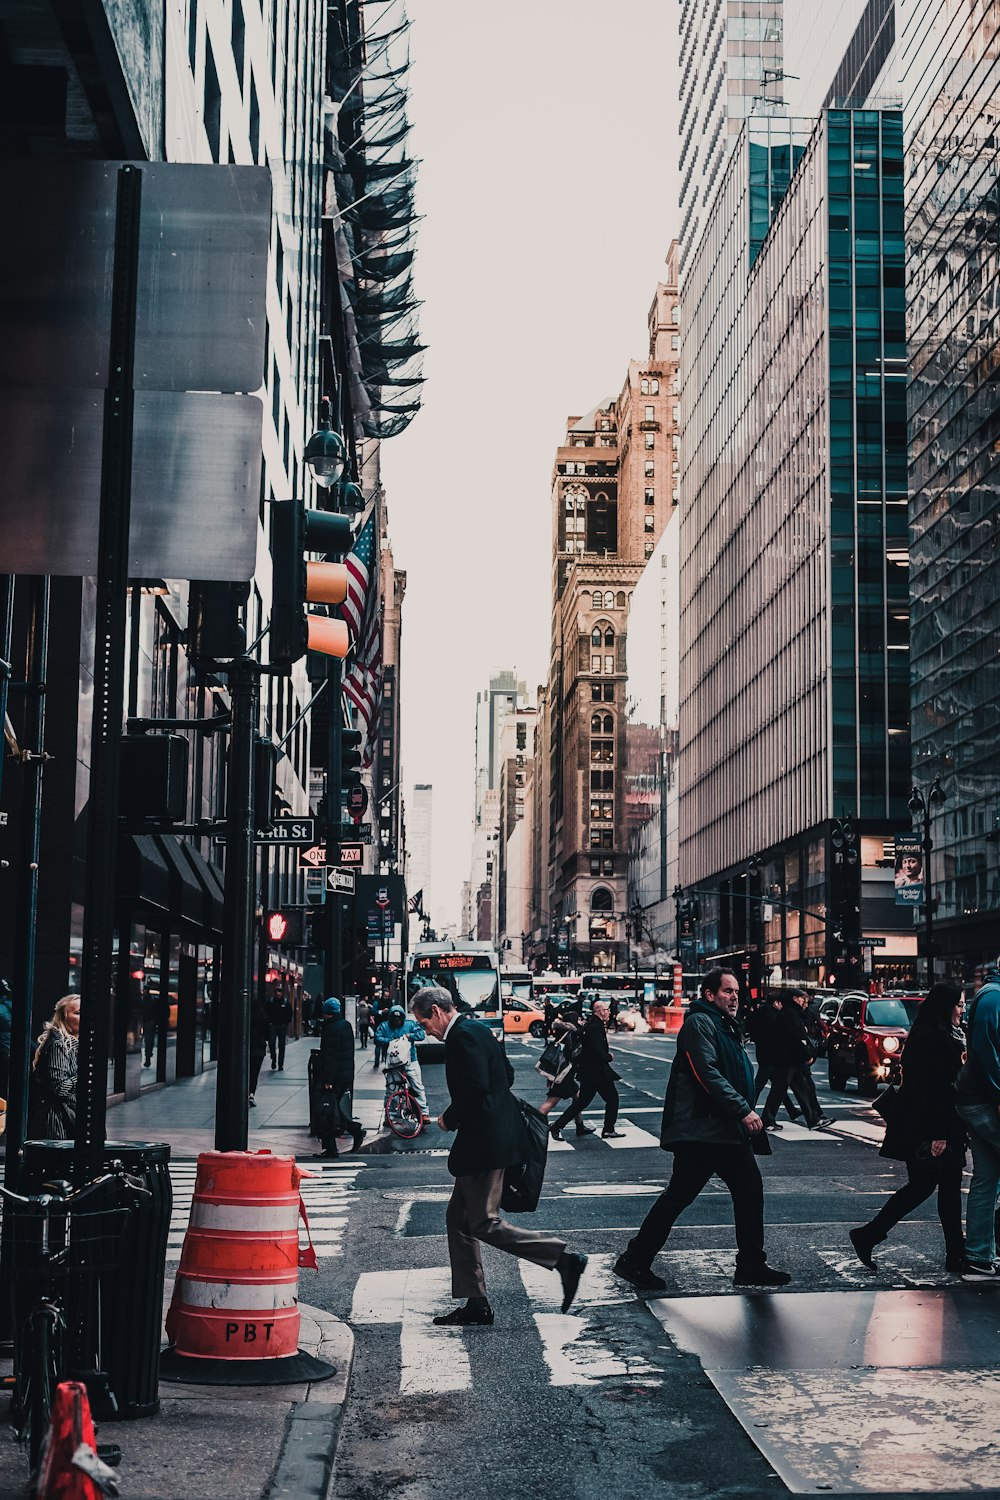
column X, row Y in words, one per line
column 794, row 608
column 614, row 488
column 730, row 68
column 951, row 62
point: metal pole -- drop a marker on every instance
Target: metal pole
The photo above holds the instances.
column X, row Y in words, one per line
column 97, row 966
column 233, row 1077
column 333, row 958
column 6, row 636
column 928, row 892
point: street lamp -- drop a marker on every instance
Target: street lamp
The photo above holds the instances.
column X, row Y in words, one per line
column 633, row 925
column 920, row 804
column 325, row 452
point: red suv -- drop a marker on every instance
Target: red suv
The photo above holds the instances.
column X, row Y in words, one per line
column 866, row 1041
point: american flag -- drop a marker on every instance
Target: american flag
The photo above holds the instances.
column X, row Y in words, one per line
column 361, row 609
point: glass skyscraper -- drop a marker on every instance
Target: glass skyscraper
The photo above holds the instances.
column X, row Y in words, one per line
column 951, row 74
column 730, row 67
column 794, row 630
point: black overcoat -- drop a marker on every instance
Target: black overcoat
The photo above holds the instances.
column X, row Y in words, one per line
column 491, row 1132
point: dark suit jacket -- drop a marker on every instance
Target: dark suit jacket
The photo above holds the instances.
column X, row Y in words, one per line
column 594, row 1065
column 483, row 1110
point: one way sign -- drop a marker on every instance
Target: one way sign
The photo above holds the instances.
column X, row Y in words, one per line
column 313, row 857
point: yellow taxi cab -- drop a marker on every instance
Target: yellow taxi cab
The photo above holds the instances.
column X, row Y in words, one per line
column 522, row 1017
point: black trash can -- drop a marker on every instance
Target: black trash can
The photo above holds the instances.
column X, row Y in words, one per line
column 132, row 1293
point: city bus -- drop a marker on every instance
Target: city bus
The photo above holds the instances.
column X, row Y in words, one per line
column 556, row 986
column 469, row 971
column 515, row 982
column 601, row 984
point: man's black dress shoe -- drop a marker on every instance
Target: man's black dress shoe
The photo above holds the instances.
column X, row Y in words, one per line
column 570, row 1267
column 478, row 1315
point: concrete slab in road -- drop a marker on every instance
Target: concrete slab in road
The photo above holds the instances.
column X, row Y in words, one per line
column 889, row 1392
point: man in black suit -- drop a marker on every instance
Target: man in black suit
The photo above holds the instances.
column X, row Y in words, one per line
column 490, row 1136
column 596, row 1075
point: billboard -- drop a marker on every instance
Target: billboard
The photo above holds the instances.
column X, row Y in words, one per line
column 909, row 870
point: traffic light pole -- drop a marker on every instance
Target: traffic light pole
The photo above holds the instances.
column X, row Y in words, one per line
column 333, row 968
column 233, row 1076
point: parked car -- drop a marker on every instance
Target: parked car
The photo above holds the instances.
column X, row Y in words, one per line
column 521, row 1017
column 866, row 1040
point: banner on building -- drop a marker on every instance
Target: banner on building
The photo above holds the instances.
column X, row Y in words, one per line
column 909, row 866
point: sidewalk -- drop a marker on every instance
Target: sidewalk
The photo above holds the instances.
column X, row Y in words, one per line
column 183, row 1114
column 235, row 1442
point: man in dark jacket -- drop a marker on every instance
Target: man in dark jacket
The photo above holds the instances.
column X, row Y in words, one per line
column 596, row 1075
column 490, row 1136
column 762, row 1030
column 977, row 1095
column 791, row 1064
column 709, row 1124
column 279, row 1014
column 336, row 1079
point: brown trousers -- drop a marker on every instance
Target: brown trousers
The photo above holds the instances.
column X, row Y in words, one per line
column 473, row 1215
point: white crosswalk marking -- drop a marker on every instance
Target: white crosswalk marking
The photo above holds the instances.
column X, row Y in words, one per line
column 326, row 1194
column 634, row 1137
column 790, row 1132
column 899, row 1262
column 432, row 1360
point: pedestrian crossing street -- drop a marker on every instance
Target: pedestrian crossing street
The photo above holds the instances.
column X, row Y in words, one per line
column 607, row 1335
column 325, row 1192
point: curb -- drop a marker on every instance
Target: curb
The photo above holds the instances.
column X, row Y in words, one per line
column 304, row 1470
column 379, row 1145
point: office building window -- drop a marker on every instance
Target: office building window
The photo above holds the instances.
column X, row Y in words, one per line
column 644, row 386
column 649, row 439
column 650, row 496
column 650, row 414
column 650, row 468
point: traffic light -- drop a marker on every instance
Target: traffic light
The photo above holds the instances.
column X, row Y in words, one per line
column 285, row 926
column 265, row 764
column 350, row 757
column 215, row 629
column 845, row 902
column 296, row 583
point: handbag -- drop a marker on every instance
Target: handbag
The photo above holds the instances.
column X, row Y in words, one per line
column 522, row 1182
column 887, row 1103
column 553, row 1064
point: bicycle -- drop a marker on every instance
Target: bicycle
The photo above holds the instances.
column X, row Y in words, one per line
column 403, row 1114
column 52, row 1237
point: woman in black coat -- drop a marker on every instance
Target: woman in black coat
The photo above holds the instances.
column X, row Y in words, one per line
column 924, row 1129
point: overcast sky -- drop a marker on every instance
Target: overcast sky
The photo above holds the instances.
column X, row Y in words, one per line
column 547, row 133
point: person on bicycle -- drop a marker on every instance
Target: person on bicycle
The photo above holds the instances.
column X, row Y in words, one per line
column 399, row 1025
column 336, row 1079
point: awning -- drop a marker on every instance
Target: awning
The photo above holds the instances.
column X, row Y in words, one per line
column 143, row 878
column 186, row 898
column 210, row 885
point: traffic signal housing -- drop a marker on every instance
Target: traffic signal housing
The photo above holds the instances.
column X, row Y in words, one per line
column 350, row 757
column 296, row 582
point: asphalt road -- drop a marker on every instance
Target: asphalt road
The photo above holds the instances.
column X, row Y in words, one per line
column 620, row 1398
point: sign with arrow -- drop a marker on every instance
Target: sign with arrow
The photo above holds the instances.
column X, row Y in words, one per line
column 340, row 880
column 313, row 857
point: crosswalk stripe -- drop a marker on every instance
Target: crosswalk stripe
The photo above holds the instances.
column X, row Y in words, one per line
column 791, row 1132
column 433, row 1360
column 326, row 1194
column 634, row 1138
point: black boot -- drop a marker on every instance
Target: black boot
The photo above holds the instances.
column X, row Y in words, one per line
column 476, row 1313
column 864, row 1241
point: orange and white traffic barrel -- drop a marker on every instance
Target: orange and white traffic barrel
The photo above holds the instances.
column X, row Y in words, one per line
column 236, row 1295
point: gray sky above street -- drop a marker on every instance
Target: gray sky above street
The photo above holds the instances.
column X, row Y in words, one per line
column 548, row 185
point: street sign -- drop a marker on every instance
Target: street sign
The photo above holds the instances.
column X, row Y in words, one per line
column 382, row 899
column 289, row 831
column 352, row 854
column 284, row 831
column 340, row 880
column 357, row 802
column 873, row 942
column 356, row 833
column 313, row 857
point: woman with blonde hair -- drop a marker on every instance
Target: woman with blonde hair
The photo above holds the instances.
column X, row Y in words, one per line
column 52, row 1116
